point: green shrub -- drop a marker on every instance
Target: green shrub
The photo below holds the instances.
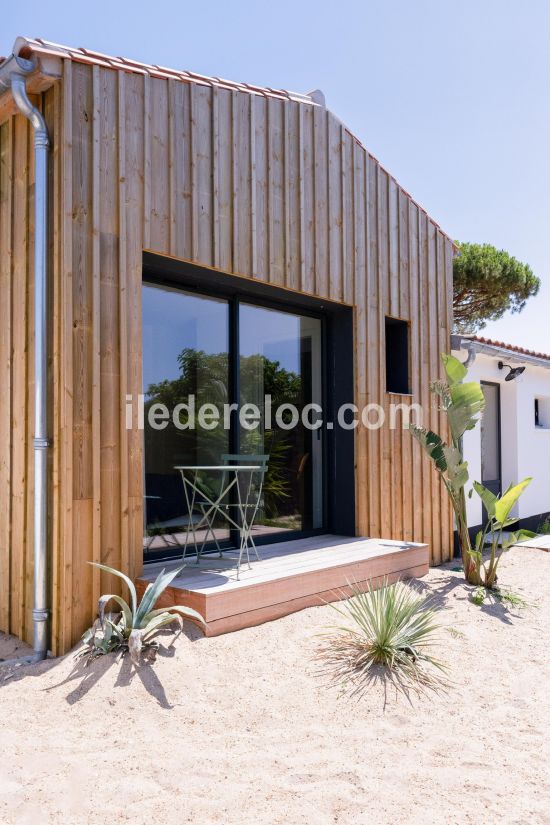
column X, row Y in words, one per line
column 499, row 518
column 388, row 630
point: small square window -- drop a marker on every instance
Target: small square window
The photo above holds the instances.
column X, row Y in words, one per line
column 397, row 356
column 542, row 413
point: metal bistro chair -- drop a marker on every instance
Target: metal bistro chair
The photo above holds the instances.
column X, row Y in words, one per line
column 247, row 491
column 249, row 496
column 207, row 515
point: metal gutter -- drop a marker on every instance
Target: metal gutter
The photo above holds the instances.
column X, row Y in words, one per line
column 479, row 348
column 13, row 77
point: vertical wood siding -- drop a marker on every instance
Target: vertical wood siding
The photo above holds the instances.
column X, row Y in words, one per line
column 17, row 376
column 256, row 186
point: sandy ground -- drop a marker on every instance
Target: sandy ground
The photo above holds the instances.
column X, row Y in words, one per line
column 239, row 729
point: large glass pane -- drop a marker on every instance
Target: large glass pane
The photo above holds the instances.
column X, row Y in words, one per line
column 280, row 359
column 185, row 355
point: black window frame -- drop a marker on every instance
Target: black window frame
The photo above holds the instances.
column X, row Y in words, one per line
column 338, row 457
column 397, row 349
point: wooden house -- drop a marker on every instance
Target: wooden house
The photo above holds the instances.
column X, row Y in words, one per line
column 228, row 230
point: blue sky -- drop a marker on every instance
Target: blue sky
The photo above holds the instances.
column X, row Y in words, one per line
column 452, row 97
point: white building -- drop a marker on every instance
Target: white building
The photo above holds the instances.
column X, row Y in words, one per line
column 514, row 438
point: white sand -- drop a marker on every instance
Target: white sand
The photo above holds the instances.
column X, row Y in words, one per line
column 237, row 729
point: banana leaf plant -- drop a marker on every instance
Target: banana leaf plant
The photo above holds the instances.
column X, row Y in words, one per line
column 463, row 403
column 132, row 628
column 498, row 512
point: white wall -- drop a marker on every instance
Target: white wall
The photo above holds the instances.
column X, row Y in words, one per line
column 525, row 448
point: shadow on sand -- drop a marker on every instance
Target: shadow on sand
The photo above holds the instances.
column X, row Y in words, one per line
column 85, row 675
column 441, row 589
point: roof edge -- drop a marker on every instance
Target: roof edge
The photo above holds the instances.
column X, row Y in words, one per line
column 50, row 55
column 487, row 346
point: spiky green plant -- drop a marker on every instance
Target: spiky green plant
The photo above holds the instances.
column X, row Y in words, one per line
column 498, row 512
column 388, row 630
column 133, row 627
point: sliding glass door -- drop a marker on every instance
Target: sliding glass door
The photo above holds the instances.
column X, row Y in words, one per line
column 280, row 372
column 185, row 365
column 200, row 350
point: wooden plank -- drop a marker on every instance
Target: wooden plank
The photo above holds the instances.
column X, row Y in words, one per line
column 82, row 236
column 158, row 177
column 53, row 113
column 388, row 523
column 289, row 280
column 66, row 474
column 134, row 242
column 320, row 200
column 416, row 477
column 230, row 624
column 428, row 474
column 81, row 596
column 359, row 264
column 348, row 211
column 110, row 181
column 144, row 136
column 225, row 181
column 393, row 248
column 6, row 201
column 404, row 482
column 307, row 185
column 335, row 212
column 260, row 177
column 180, row 117
column 275, row 180
column 433, row 342
column 173, row 152
column 403, row 200
column 216, row 179
column 280, row 560
column 253, row 190
column 309, row 583
column 98, row 96
column 121, row 137
column 282, row 580
column 202, row 166
column 235, row 202
column 374, row 364
column 444, row 333
column 83, row 346
column 19, row 409
column 299, row 223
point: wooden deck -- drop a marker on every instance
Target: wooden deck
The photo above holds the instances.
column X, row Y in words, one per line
column 290, row 576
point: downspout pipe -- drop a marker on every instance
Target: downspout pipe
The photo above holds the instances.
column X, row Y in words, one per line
column 458, row 342
column 13, row 75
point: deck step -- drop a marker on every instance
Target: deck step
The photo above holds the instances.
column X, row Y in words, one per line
column 290, row 576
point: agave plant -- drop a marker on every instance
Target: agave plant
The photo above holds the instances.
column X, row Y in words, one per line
column 132, row 628
column 391, row 628
column 498, row 511
column 463, row 403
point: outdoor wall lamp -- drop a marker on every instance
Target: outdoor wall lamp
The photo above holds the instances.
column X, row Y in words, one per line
column 514, row 371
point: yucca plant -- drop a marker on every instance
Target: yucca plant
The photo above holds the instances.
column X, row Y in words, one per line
column 498, row 511
column 132, row 628
column 463, row 404
column 391, row 629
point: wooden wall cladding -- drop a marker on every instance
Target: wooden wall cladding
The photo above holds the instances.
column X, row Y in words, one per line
column 268, row 189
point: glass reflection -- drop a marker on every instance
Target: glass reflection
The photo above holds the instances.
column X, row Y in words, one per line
column 280, row 358
column 185, row 353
